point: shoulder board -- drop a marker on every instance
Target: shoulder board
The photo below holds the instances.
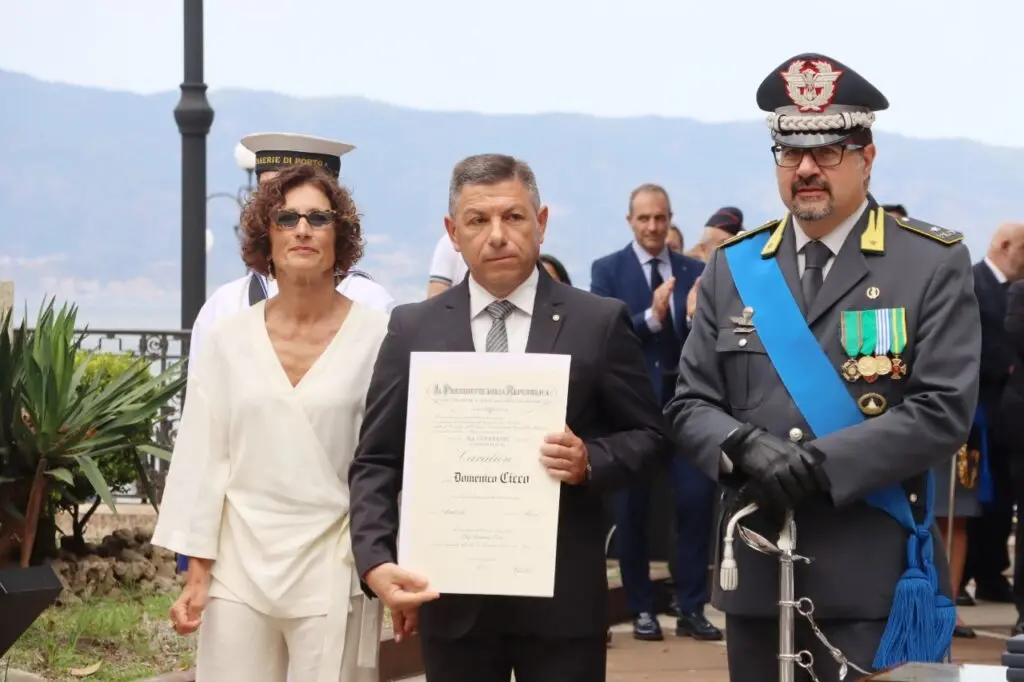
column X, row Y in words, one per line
column 942, row 235
column 748, row 233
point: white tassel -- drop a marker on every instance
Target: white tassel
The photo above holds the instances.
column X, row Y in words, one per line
column 729, row 575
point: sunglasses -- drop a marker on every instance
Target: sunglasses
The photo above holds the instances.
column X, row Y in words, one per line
column 317, row 219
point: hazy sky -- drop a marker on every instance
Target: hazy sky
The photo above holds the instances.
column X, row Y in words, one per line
column 949, row 69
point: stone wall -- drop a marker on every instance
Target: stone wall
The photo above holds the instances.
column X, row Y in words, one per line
column 123, row 561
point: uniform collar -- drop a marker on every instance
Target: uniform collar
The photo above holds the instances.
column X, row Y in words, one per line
column 835, row 239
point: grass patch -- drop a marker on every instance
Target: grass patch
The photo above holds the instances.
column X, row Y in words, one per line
column 130, row 637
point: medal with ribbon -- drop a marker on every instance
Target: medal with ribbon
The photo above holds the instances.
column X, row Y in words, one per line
column 849, row 330
column 898, row 340
column 867, row 365
column 883, row 341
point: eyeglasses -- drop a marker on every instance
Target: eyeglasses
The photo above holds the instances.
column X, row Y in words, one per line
column 824, row 157
column 289, row 220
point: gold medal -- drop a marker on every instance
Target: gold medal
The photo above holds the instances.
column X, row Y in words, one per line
column 867, row 367
column 883, row 365
column 850, row 371
column 899, row 370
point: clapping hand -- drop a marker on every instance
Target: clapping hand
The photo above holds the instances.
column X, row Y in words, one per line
column 661, row 301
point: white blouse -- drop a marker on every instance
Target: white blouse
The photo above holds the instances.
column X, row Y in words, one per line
column 259, row 475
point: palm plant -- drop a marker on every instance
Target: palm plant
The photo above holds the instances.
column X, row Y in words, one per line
column 54, row 416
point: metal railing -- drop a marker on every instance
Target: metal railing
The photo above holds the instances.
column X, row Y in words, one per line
column 162, row 348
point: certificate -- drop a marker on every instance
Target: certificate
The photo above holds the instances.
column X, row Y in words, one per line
column 479, row 513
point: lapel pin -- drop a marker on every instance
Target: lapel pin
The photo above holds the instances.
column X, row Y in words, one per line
column 873, row 292
column 556, row 317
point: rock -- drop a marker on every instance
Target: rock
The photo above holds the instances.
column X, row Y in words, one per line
column 123, row 559
column 131, row 555
column 164, row 584
column 22, row 676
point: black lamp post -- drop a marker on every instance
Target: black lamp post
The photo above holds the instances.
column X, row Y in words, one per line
column 194, row 116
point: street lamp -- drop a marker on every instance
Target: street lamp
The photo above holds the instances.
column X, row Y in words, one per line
column 246, row 160
column 194, row 117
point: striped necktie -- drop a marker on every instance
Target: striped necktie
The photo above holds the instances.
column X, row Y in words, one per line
column 497, row 336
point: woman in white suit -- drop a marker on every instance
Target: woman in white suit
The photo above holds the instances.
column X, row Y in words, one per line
column 257, row 493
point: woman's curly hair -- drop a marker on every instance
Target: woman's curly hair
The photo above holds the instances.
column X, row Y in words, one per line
column 259, row 215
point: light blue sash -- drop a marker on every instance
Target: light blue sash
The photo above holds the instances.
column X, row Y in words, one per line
column 921, row 619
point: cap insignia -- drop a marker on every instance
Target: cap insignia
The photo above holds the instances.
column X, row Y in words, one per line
column 811, row 86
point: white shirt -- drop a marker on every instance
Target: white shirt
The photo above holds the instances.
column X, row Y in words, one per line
column 834, row 240
column 234, row 296
column 517, row 324
column 447, row 265
column 996, row 272
column 647, row 263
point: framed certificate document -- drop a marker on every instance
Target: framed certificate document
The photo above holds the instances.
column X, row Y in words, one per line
column 479, row 513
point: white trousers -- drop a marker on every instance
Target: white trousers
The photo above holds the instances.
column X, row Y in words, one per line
column 237, row 643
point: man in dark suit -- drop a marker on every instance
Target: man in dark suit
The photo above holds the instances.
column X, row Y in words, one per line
column 653, row 281
column 832, row 361
column 987, row 535
column 1010, row 437
column 614, row 434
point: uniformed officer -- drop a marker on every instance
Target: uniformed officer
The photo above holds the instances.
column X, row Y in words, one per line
column 833, row 360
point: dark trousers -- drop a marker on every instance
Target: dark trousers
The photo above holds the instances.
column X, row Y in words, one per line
column 754, row 647
column 1017, row 481
column 694, row 498
column 493, row 658
column 987, row 535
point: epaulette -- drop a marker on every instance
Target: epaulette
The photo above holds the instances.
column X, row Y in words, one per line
column 748, row 233
column 942, row 235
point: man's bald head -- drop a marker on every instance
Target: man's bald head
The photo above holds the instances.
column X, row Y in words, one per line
column 1006, row 250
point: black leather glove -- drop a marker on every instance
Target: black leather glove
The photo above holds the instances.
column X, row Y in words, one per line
column 767, row 508
column 780, row 473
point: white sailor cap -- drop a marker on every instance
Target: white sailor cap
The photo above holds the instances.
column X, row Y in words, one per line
column 277, row 150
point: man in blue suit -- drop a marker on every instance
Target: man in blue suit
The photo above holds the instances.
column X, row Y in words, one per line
column 653, row 281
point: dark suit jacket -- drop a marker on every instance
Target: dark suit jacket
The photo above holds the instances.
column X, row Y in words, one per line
column 620, row 275
column 1009, row 437
column 611, row 406
column 997, row 349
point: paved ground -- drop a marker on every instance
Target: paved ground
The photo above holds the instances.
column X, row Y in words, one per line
column 684, row 659
column 633, row 661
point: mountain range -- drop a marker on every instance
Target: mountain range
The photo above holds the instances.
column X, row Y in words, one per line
column 90, row 181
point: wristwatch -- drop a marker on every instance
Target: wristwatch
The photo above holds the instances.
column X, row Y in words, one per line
column 587, row 473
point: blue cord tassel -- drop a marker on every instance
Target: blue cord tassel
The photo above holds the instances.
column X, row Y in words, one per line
column 921, row 620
